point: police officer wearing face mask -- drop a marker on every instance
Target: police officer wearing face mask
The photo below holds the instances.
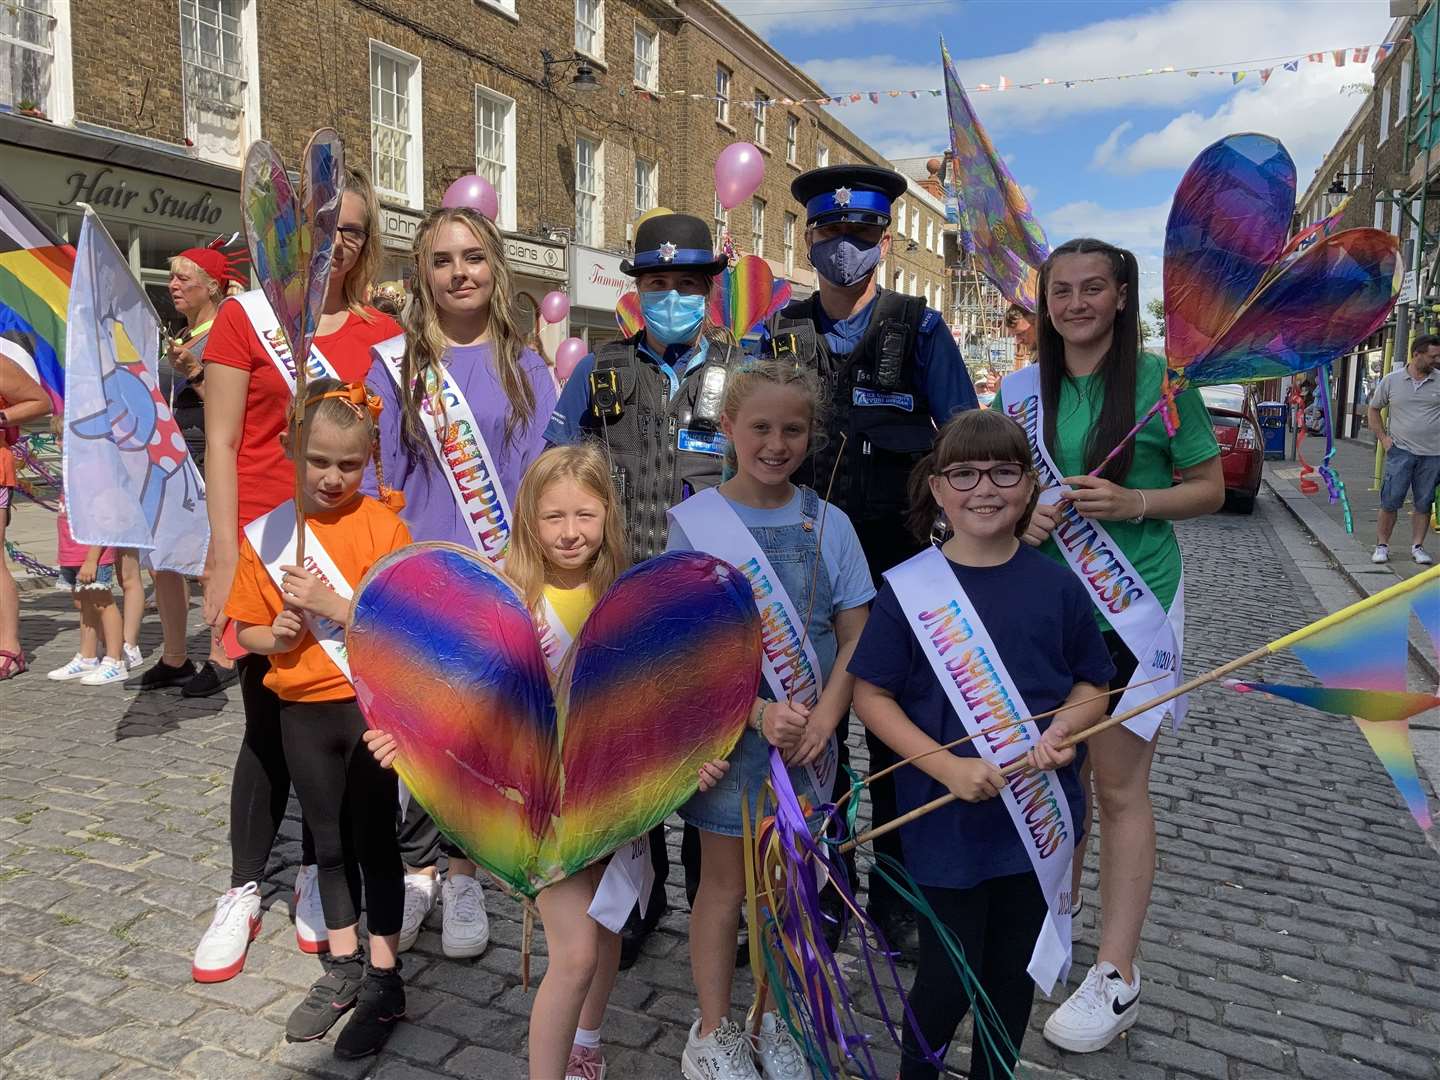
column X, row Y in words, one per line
column 653, row 401
column 895, row 374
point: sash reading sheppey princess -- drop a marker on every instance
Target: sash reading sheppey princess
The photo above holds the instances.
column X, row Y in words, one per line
column 1114, row 586
column 790, row 666
column 979, row 688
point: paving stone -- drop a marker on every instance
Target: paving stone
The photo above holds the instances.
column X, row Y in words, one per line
column 47, row 1058
column 163, row 1048
column 1395, row 1061
column 1317, row 1065
column 479, row 1063
column 68, row 1017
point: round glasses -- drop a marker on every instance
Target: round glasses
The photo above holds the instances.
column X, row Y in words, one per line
column 1005, row 475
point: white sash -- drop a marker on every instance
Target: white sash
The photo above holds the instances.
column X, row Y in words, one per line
column 273, row 538
column 468, row 465
column 791, row 672
column 980, row 689
column 1114, row 586
column 272, row 339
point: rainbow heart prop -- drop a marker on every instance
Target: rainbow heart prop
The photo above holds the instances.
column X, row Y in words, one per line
column 745, row 295
column 535, row 786
column 628, row 315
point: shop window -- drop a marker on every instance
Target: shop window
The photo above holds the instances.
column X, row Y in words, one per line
column 495, row 148
column 395, row 149
column 28, row 36
column 647, row 58
column 590, row 28
column 217, row 83
column 589, row 173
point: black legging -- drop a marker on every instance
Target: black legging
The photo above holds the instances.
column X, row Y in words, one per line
column 421, row 841
column 997, row 922
column 260, row 786
column 350, row 803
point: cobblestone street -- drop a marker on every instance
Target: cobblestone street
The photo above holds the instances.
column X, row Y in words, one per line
column 1294, row 930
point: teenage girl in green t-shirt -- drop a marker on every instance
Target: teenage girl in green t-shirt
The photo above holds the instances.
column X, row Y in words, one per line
column 1095, row 382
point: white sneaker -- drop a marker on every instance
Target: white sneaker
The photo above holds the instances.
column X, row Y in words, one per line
column 724, row 1054
column 77, row 668
column 106, row 672
column 221, row 952
column 780, row 1055
column 310, row 931
column 133, row 657
column 465, row 929
column 1420, row 555
column 1102, row 1007
column 421, row 892
column 1381, row 554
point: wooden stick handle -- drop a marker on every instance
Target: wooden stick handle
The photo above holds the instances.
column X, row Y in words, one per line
column 1078, row 737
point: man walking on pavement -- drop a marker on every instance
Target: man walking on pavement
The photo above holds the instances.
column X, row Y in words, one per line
column 894, row 373
column 1412, row 445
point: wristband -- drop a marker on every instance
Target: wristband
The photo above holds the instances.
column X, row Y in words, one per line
column 1144, row 508
column 757, row 715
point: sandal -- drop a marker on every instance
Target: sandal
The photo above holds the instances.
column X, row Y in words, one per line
column 12, row 664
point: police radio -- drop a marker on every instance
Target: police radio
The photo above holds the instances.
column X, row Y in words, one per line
column 711, row 398
column 893, row 337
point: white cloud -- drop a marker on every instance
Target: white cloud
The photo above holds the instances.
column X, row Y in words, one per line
column 1106, row 150
column 766, row 17
column 1139, row 229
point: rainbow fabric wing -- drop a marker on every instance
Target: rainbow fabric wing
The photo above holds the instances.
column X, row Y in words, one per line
column 660, row 680
column 628, row 315
column 743, row 296
column 275, row 238
column 445, row 657
column 35, row 270
column 1331, row 297
column 1321, row 229
column 1378, row 706
column 322, row 183
column 997, row 226
column 1228, row 223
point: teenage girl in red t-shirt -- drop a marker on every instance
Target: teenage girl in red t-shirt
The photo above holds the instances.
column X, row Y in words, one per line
column 247, row 475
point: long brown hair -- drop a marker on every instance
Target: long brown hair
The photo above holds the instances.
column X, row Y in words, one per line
column 357, row 281
column 584, row 463
column 1117, row 370
column 973, row 435
column 425, row 344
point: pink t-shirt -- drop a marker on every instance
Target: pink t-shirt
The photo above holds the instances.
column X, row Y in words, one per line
column 71, row 553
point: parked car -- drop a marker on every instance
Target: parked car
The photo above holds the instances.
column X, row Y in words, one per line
column 1242, row 449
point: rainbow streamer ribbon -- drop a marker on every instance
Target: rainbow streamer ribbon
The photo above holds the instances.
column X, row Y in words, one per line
column 35, row 270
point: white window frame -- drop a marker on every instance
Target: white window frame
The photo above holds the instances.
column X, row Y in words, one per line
column 1395, row 213
column 822, row 156
column 596, row 49
column 650, row 172
column 504, row 7
column 415, row 161
column 757, row 226
column 650, row 41
column 59, row 103
column 596, row 236
column 1379, row 214
column 724, row 80
column 507, row 186
column 721, row 217
column 914, row 289
column 1359, row 162
column 929, row 234
column 1385, row 111
column 1402, row 105
column 787, row 243
column 245, row 69
column 915, row 224
column 762, row 109
column 900, row 217
column 792, row 138
column 926, row 294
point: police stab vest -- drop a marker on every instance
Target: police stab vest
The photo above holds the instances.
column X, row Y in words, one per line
column 877, row 403
column 661, row 449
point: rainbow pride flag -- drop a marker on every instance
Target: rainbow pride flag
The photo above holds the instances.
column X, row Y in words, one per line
column 35, row 269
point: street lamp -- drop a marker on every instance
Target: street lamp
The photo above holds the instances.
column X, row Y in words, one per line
column 583, row 79
column 1335, row 195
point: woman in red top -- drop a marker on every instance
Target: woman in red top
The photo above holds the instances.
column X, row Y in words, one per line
column 247, row 475
column 21, row 398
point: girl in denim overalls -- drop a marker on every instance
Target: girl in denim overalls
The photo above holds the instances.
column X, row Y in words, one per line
column 771, row 411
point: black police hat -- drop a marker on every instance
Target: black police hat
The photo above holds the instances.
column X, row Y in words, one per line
column 859, row 193
column 673, row 242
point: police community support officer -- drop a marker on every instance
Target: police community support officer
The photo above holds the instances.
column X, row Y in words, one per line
column 894, row 373
column 653, row 401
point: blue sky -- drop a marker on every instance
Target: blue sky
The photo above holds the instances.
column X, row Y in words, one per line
column 1101, row 160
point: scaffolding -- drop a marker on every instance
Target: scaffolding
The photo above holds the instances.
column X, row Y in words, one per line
column 978, row 320
column 1422, row 142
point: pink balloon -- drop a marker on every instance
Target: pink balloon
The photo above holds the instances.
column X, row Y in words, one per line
column 738, row 172
column 568, row 354
column 555, row 306
column 474, row 192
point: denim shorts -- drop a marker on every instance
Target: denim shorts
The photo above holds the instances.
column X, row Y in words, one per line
column 1418, row 474
column 718, row 810
column 104, row 578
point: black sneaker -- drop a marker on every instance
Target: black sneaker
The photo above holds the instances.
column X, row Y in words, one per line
column 329, row 998
column 900, row 931
column 380, row 1007
column 210, row 679
column 637, row 929
column 162, row 675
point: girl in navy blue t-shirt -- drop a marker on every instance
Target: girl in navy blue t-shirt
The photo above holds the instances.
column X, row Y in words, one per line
column 968, row 857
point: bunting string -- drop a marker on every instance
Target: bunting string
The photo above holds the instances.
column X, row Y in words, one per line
column 1236, row 71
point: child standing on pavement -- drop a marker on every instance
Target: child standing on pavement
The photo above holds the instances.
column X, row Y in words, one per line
column 986, row 627
column 90, row 573
column 762, row 522
column 297, row 617
column 567, row 545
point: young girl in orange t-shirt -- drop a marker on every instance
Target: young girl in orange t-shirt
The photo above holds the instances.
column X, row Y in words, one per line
column 297, row 617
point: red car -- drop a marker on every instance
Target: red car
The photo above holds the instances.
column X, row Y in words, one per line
column 1242, row 450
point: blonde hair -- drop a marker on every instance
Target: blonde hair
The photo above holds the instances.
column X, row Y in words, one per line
column 357, row 281
column 584, row 463
column 346, row 406
column 425, row 344
column 751, row 375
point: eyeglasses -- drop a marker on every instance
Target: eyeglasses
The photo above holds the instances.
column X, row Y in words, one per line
column 352, row 234
column 1005, row 475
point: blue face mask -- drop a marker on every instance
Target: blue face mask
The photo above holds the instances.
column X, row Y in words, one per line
column 672, row 318
column 845, row 260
